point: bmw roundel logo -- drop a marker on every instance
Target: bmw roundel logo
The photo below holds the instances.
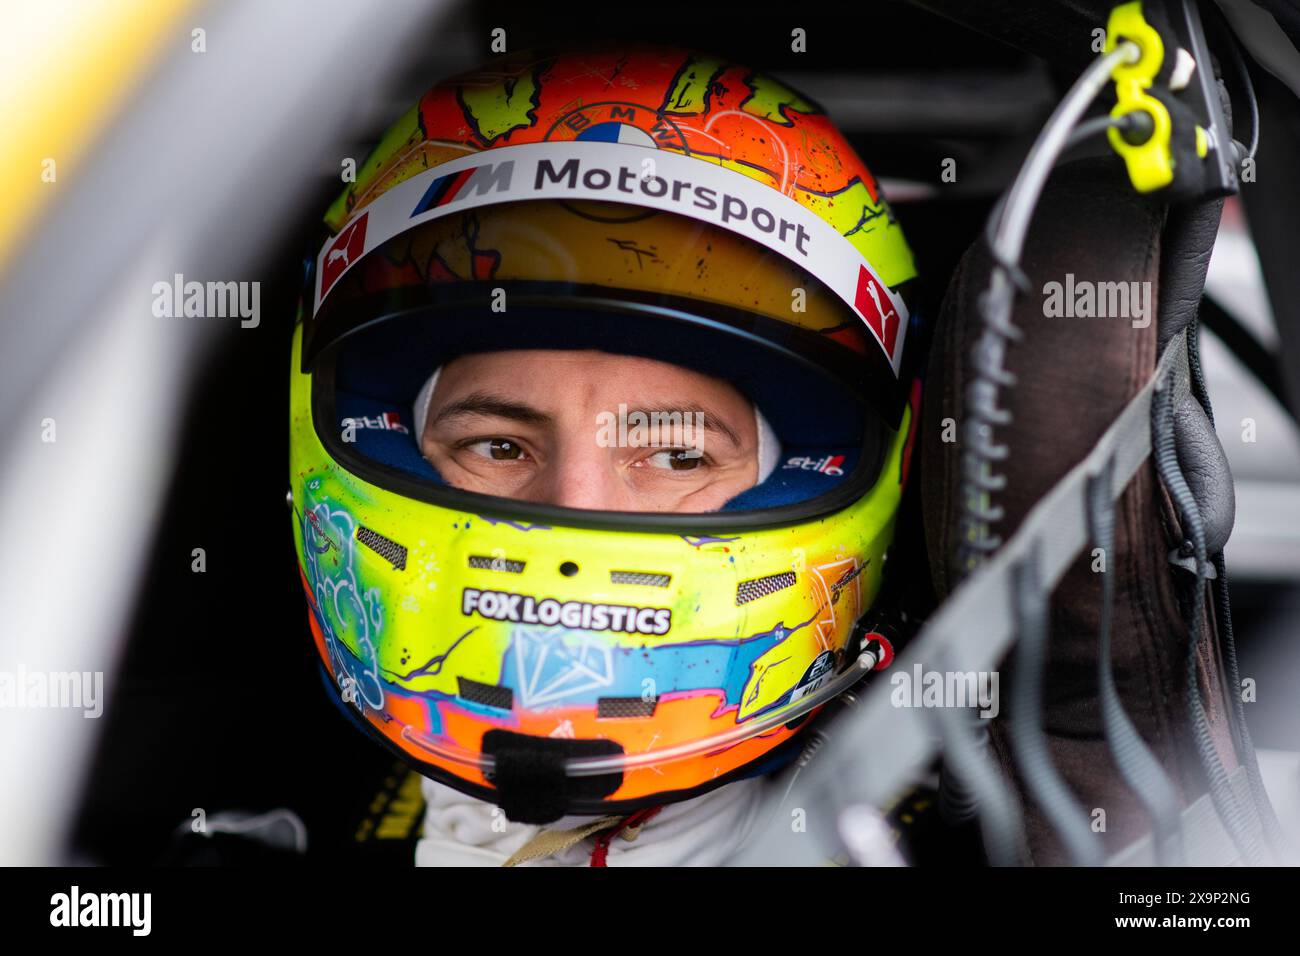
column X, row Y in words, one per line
column 629, row 123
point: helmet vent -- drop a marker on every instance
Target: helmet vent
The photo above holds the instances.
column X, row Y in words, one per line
column 386, row 548
column 489, row 695
column 761, row 587
column 484, row 563
column 624, row 707
column 645, row 579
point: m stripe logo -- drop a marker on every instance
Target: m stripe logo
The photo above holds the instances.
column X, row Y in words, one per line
column 475, row 181
column 443, row 190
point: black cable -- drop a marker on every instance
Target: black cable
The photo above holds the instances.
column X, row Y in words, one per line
column 1243, row 77
column 1249, row 759
column 1099, row 124
column 1195, row 372
column 1165, row 455
column 1136, row 763
column 1223, row 606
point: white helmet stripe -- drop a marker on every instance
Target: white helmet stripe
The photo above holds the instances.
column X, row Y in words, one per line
column 658, row 179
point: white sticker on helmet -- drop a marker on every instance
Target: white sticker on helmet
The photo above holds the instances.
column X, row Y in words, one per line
column 769, row 446
column 421, row 409
column 662, row 180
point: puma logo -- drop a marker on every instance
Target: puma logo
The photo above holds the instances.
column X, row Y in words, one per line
column 348, row 247
column 885, row 313
column 877, row 308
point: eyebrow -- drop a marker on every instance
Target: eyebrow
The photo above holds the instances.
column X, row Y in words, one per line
column 485, row 403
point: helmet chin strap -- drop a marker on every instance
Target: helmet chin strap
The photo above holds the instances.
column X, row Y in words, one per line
column 769, row 446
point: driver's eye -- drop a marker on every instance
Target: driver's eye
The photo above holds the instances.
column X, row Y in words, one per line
column 678, row 459
column 503, row 449
column 499, row 449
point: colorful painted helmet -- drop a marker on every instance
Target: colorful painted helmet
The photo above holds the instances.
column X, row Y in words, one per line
column 646, row 202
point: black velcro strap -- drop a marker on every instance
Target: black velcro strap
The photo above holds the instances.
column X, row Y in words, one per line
column 531, row 785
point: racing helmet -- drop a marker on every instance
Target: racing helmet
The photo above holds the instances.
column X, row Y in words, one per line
column 647, row 202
